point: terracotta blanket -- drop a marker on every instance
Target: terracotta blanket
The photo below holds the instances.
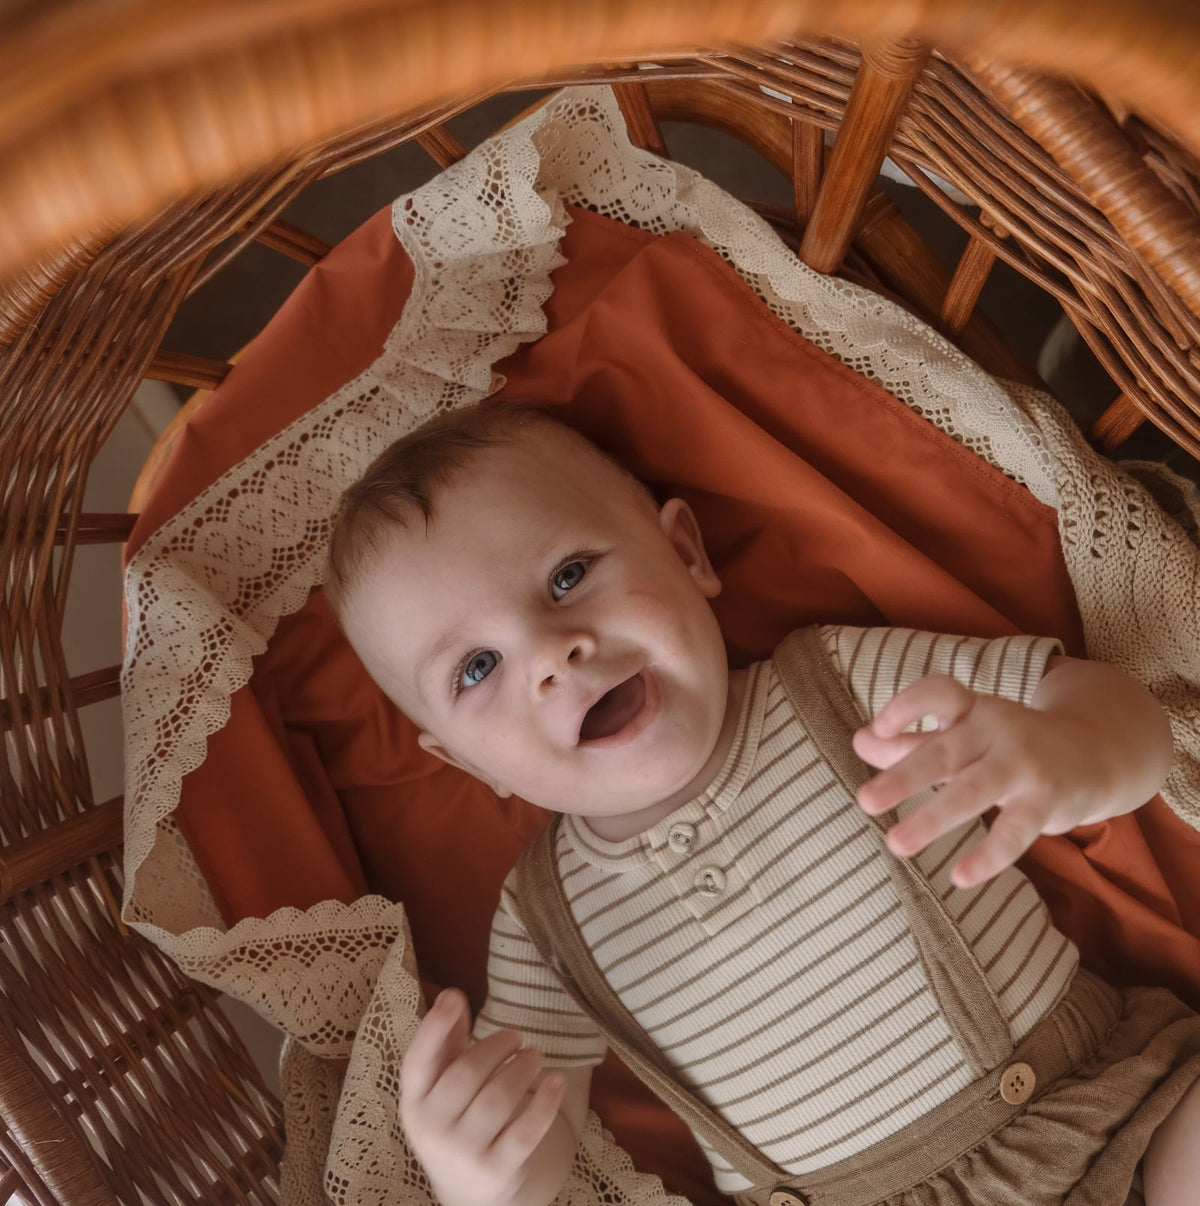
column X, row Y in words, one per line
column 821, row 496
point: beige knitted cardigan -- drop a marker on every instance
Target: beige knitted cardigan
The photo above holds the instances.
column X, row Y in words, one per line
column 200, row 605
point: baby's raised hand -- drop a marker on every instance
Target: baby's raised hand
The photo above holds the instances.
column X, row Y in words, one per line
column 1095, row 750
column 468, row 1109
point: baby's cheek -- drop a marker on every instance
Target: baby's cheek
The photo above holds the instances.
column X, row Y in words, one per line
column 642, row 604
column 493, row 746
column 513, row 755
column 673, row 619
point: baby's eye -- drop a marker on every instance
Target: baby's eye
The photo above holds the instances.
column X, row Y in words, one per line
column 476, row 668
column 567, row 577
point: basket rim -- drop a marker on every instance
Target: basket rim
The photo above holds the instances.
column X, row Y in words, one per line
column 109, row 113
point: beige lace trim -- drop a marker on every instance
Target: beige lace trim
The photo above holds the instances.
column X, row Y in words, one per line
column 206, row 591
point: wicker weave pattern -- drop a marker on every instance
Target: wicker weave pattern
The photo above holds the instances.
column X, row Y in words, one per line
column 117, row 1076
column 187, row 96
column 1030, row 213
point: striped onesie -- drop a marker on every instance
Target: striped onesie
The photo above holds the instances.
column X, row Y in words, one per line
column 755, row 935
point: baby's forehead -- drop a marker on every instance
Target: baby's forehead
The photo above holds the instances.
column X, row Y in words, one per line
column 516, row 500
column 519, row 494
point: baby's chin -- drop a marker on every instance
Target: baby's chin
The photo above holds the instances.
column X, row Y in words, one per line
column 595, row 795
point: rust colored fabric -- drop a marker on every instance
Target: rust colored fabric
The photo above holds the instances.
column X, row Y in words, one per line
column 821, row 497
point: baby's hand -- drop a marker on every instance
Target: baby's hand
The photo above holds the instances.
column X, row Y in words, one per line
column 1042, row 769
column 467, row 1107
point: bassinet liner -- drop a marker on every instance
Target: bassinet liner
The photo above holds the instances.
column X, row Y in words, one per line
column 230, row 544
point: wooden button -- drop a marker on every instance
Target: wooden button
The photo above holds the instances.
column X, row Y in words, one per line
column 1017, row 1083
column 681, row 836
column 710, row 881
column 787, row 1197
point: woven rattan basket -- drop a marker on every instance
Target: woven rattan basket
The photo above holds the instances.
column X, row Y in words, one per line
column 142, row 146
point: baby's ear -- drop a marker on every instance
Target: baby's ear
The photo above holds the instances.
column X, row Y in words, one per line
column 679, row 525
column 428, row 742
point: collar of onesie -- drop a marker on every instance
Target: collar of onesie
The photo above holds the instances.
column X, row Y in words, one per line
column 703, row 809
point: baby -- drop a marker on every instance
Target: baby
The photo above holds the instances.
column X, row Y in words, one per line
column 841, row 982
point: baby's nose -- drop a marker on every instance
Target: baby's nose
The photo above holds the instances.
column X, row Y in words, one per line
column 559, row 653
column 560, row 661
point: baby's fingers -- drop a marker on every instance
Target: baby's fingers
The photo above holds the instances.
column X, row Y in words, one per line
column 517, row 1142
column 937, row 759
column 882, row 752
column 1014, row 830
column 970, row 793
column 937, row 695
column 497, row 1102
column 440, row 1039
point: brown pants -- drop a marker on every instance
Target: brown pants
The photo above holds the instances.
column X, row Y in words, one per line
column 1110, row 1066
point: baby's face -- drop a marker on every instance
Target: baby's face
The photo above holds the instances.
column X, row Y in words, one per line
column 550, row 630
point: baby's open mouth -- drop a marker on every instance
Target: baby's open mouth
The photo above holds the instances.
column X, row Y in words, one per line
column 614, row 710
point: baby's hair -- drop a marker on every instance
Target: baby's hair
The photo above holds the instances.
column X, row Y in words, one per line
column 402, row 481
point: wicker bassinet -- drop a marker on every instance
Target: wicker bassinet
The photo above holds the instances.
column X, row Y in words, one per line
column 143, row 146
